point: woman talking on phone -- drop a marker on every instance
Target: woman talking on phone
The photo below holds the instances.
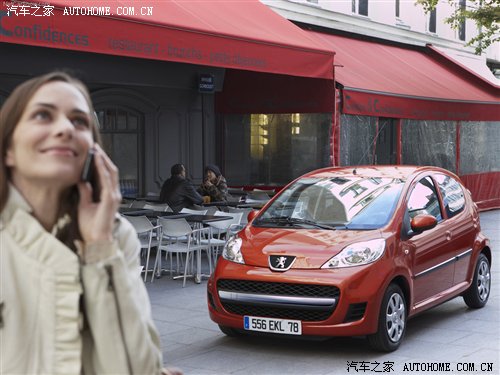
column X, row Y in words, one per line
column 71, row 297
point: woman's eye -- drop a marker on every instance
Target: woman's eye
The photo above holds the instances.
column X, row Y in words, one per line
column 42, row 115
column 80, row 121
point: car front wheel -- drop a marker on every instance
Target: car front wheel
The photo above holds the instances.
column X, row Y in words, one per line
column 391, row 321
column 479, row 291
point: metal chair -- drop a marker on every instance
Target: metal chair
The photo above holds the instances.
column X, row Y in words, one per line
column 177, row 237
column 146, row 233
column 244, row 211
column 158, row 207
column 257, row 196
column 219, row 233
column 137, row 204
column 194, row 212
column 209, row 210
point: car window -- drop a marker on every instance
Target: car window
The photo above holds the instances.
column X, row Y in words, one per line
column 453, row 194
column 353, row 202
column 423, row 200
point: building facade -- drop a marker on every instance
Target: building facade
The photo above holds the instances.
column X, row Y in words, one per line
column 407, row 92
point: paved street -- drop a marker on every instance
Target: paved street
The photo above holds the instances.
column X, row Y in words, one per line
column 451, row 333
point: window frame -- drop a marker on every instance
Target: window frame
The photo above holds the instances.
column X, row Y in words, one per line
column 356, row 6
column 443, row 196
column 418, row 180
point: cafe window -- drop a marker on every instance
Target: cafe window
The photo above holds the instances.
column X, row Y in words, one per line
column 429, row 143
column 122, row 134
column 273, row 149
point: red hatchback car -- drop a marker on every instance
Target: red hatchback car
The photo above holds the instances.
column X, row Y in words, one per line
column 347, row 252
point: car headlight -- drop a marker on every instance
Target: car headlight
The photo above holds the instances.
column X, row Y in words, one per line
column 232, row 250
column 357, row 254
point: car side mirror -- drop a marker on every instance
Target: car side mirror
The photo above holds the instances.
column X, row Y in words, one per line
column 252, row 214
column 423, row 222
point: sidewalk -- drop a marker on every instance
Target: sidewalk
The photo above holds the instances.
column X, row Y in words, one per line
column 450, row 333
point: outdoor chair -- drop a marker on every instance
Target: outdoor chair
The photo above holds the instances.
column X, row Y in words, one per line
column 137, row 204
column 244, row 211
column 146, row 233
column 202, row 211
column 208, row 210
column 219, row 233
column 267, row 191
column 257, row 196
column 158, row 207
column 177, row 237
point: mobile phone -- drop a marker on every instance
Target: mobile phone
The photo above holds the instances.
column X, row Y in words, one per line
column 89, row 174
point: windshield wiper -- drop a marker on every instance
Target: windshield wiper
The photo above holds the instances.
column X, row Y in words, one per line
column 294, row 220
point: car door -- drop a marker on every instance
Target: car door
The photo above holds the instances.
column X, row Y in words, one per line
column 461, row 223
column 432, row 257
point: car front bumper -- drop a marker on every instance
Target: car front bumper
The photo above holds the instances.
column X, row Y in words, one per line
column 360, row 288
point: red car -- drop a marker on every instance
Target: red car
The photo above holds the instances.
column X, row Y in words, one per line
column 353, row 251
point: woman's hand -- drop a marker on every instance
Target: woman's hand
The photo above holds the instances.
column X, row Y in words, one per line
column 96, row 219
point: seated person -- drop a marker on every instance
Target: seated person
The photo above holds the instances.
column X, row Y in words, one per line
column 178, row 192
column 214, row 185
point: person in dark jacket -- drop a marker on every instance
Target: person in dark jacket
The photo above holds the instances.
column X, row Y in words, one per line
column 178, row 192
column 214, row 185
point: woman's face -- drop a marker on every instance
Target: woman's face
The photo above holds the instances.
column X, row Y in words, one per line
column 52, row 138
column 210, row 175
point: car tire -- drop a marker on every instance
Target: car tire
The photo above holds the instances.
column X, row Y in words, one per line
column 391, row 321
column 479, row 291
column 228, row 331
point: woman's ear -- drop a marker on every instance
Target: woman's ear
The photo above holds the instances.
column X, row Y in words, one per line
column 9, row 158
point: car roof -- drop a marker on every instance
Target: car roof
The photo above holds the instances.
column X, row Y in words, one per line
column 390, row 171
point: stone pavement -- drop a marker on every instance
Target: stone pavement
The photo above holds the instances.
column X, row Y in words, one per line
column 468, row 341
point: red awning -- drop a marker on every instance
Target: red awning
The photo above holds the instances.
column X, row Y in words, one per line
column 390, row 81
column 244, row 35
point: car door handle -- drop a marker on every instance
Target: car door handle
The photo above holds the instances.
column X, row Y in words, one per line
column 448, row 235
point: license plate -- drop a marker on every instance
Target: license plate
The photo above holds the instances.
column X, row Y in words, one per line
column 283, row 326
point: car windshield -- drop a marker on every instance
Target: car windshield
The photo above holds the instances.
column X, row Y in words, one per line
column 344, row 202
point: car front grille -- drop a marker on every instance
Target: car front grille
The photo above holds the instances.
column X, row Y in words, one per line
column 309, row 312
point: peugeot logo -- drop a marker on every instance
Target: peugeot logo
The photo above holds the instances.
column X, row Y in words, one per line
column 280, row 262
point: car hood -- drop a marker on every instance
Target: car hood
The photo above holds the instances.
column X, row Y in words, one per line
column 311, row 247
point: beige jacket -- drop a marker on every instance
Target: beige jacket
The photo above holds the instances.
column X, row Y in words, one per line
column 41, row 284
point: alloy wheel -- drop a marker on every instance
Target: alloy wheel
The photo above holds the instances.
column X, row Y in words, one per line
column 395, row 317
column 483, row 280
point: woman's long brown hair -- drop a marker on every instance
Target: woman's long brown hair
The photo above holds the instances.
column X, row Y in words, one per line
column 11, row 113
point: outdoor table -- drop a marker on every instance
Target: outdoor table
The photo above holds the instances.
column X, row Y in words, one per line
column 257, row 205
column 134, row 211
column 148, row 199
column 151, row 214
column 241, row 204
